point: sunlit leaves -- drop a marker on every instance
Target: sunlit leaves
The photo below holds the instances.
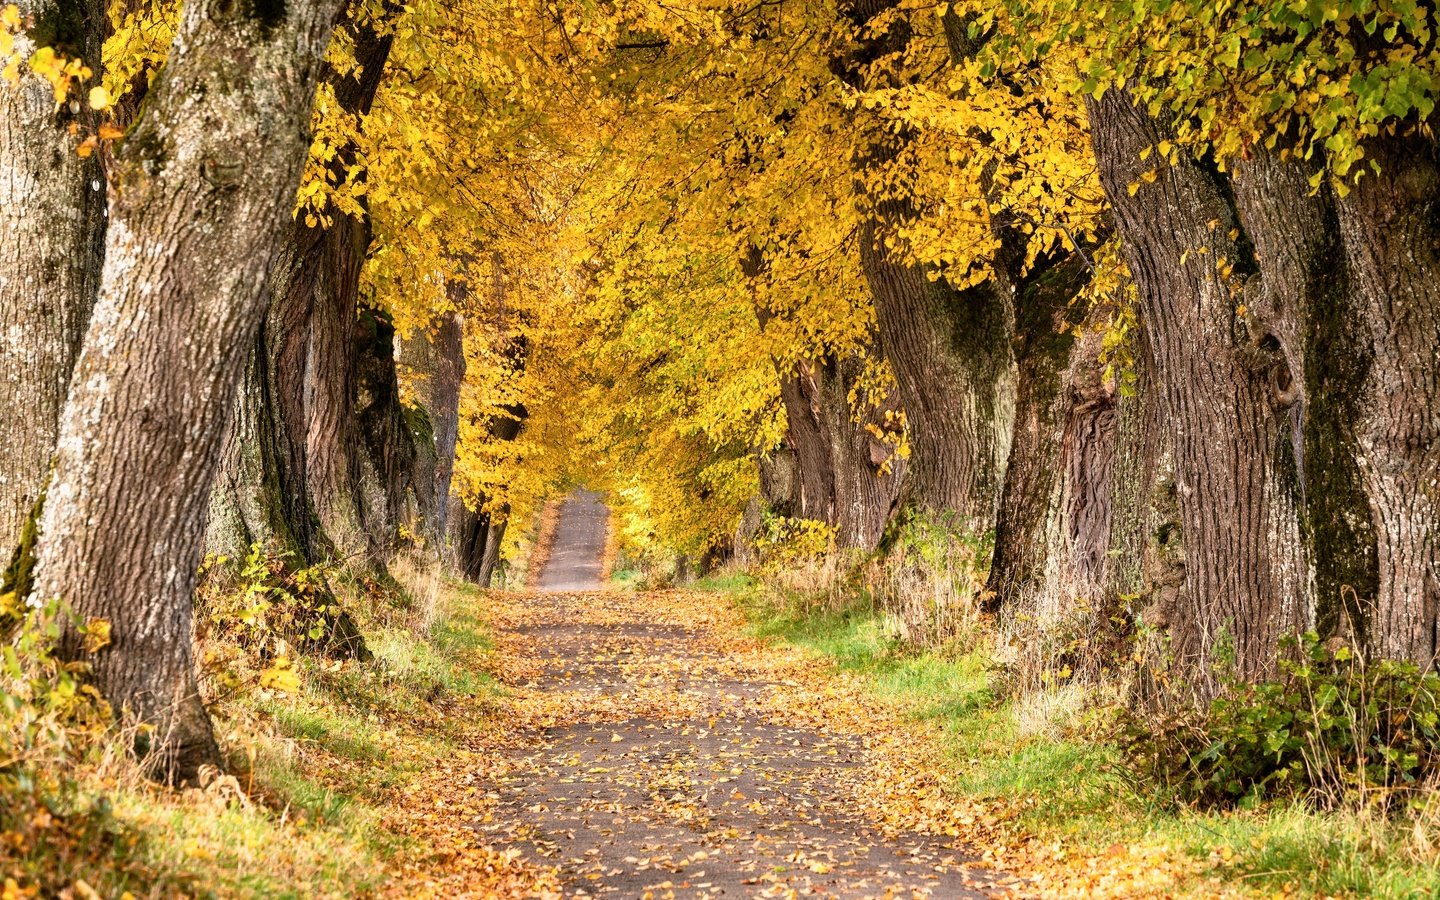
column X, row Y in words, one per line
column 137, row 45
column 1313, row 77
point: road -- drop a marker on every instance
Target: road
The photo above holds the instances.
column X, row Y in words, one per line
column 578, row 549
column 655, row 750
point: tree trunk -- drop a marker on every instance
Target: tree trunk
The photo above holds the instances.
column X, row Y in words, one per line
column 51, row 218
column 1045, row 318
column 868, row 473
column 778, row 471
column 387, row 445
column 950, row 352
column 436, row 364
column 1244, row 573
column 477, row 539
column 1388, row 226
column 1303, row 302
column 810, row 489
column 949, row 349
column 840, row 477
column 475, row 533
column 247, row 503
column 303, row 383
column 1106, row 562
column 205, row 185
column 331, row 434
column 832, row 467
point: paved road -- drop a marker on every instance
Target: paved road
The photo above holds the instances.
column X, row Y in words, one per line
column 579, row 546
column 656, row 758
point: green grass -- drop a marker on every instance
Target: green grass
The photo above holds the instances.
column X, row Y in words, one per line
column 1076, row 789
column 627, row 578
column 724, row 581
column 234, row 851
column 337, row 731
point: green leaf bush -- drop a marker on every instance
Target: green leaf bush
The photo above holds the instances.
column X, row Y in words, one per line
column 1332, row 729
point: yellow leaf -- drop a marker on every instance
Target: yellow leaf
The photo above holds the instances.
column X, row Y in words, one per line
column 97, row 634
column 99, row 98
column 43, row 61
column 280, row 676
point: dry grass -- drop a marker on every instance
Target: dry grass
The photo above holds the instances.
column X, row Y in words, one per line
column 539, row 552
column 419, row 574
column 307, row 805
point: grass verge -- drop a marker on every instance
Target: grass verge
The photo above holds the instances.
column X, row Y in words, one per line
column 319, row 774
column 1065, row 789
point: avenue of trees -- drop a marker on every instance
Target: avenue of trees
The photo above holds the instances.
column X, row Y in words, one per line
column 1145, row 295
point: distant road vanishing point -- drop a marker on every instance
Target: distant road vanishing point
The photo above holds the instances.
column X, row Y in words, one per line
column 578, row 550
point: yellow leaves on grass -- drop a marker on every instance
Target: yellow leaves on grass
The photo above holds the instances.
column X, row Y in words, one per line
column 280, row 676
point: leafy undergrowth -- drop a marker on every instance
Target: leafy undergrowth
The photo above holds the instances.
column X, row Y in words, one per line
column 1057, row 806
column 333, row 792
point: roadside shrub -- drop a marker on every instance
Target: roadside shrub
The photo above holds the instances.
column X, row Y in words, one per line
column 930, row 581
column 785, row 541
column 272, row 604
column 53, row 833
column 1331, row 730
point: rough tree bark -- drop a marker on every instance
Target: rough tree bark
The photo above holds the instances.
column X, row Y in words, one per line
column 806, row 488
column 950, row 352
column 247, row 503
column 1390, row 230
column 332, row 442
column 51, row 216
column 838, row 461
column 436, row 363
column 1303, row 302
column 387, row 450
column 1045, row 318
column 1102, row 527
column 293, row 448
column 1239, row 544
column 201, row 194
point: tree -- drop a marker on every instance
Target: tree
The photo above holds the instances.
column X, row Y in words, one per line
column 202, row 189
column 293, row 471
column 52, row 203
column 949, row 347
column 1238, row 538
